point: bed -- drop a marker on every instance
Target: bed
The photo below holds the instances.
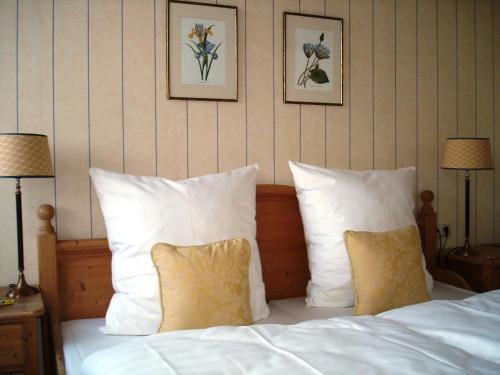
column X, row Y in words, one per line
column 75, row 279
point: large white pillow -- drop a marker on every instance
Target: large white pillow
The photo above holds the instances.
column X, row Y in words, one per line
column 333, row 201
column 142, row 211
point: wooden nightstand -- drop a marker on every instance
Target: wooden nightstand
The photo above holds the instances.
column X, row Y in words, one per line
column 18, row 334
column 482, row 272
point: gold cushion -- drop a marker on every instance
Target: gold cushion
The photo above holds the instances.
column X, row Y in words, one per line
column 386, row 269
column 204, row 286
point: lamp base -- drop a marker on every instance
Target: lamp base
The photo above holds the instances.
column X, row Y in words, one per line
column 22, row 289
column 467, row 250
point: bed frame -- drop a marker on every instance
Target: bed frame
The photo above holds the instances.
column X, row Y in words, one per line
column 75, row 275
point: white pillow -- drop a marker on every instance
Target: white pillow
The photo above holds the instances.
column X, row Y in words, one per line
column 142, row 211
column 332, row 201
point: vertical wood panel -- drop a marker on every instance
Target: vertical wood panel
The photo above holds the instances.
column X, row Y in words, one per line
column 447, row 113
column 8, row 123
column 337, row 118
column 232, row 116
column 35, row 111
column 171, row 114
column 313, row 116
column 260, row 115
column 8, row 66
column 384, row 89
column 406, row 84
column 202, row 138
column 105, row 102
column 361, row 84
column 202, row 135
column 484, row 119
column 466, row 104
column 139, row 87
column 496, row 125
column 287, row 116
column 71, row 119
column 427, row 95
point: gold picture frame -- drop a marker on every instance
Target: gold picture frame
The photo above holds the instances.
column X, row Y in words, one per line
column 312, row 59
column 202, row 51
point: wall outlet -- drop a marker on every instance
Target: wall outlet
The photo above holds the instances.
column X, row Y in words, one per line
column 444, row 229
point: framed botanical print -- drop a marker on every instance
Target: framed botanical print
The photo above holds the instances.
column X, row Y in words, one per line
column 312, row 59
column 202, row 53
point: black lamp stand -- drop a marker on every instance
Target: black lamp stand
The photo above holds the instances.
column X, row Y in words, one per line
column 466, row 250
column 22, row 288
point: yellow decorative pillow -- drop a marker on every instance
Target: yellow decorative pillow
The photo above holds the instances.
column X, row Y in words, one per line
column 386, row 269
column 204, row 286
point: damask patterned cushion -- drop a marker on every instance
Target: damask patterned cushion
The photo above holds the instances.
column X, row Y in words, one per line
column 386, row 269
column 204, row 286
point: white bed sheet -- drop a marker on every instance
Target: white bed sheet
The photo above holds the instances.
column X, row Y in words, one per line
column 81, row 338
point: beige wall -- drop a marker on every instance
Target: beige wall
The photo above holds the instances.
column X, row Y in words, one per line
column 91, row 75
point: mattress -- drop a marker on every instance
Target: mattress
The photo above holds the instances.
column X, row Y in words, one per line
column 81, row 338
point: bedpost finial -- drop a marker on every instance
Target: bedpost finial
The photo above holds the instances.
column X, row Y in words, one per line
column 427, row 197
column 45, row 213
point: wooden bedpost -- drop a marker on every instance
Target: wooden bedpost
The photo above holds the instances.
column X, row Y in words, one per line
column 47, row 266
column 47, row 261
column 428, row 216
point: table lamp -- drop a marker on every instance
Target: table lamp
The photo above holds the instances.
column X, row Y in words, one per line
column 467, row 154
column 23, row 156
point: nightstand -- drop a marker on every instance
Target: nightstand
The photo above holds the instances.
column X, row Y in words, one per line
column 482, row 271
column 18, row 334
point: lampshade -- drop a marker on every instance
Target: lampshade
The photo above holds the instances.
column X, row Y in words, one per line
column 24, row 155
column 467, row 153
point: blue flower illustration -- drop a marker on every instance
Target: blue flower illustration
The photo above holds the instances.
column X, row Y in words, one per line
column 308, row 49
column 205, row 52
column 199, row 29
column 321, row 52
column 312, row 70
column 208, row 47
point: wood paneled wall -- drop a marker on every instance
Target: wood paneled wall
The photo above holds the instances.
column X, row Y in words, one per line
column 91, row 75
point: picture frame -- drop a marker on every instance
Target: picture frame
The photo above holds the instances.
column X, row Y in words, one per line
column 202, row 51
column 312, row 59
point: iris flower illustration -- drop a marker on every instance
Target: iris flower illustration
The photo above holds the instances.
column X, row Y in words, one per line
column 197, row 30
column 205, row 52
column 312, row 70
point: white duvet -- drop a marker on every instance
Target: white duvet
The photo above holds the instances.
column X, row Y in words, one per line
column 437, row 337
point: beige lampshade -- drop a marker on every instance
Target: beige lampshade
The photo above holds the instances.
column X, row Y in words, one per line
column 467, row 153
column 24, row 155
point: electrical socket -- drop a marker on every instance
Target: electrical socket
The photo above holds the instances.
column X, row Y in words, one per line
column 442, row 228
